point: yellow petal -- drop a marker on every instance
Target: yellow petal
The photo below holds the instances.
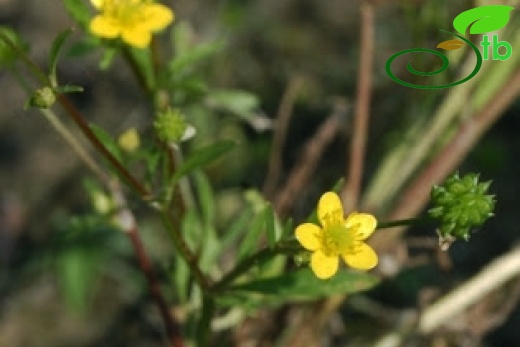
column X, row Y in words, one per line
column 309, row 235
column 330, row 209
column 137, row 36
column 157, row 17
column 105, row 27
column 97, row 3
column 364, row 224
column 323, row 266
column 364, row 259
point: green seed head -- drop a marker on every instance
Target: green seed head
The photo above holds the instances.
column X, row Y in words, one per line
column 170, row 125
column 461, row 204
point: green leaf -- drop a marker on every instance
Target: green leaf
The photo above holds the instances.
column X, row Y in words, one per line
column 180, row 275
column 144, row 61
column 80, row 11
column 193, row 56
column 303, row 285
column 186, row 52
column 239, row 102
column 108, row 57
column 270, row 226
column 83, row 46
column 237, row 228
column 57, row 45
column 210, row 245
column 206, row 197
column 107, row 141
column 8, row 55
column 77, row 270
column 252, row 236
column 288, row 229
column 201, row 157
column 482, row 19
column 68, row 88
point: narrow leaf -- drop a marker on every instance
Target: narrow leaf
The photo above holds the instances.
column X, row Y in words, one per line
column 77, row 270
column 57, row 45
column 107, row 141
column 238, row 102
column 79, row 10
column 252, row 236
column 206, row 197
column 288, row 229
column 201, row 157
column 68, row 88
column 304, row 285
column 192, row 56
column 107, row 58
column 270, row 226
column 237, row 228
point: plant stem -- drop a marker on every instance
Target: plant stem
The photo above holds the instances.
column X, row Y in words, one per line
column 204, row 329
column 71, row 140
column 137, row 71
column 187, row 254
column 35, row 69
column 126, row 221
column 403, row 222
column 125, row 175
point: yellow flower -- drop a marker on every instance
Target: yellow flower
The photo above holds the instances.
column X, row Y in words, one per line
column 133, row 20
column 337, row 237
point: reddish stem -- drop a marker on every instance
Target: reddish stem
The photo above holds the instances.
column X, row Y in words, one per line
column 172, row 328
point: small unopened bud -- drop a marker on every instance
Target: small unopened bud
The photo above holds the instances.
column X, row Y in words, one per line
column 129, row 141
column 42, row 98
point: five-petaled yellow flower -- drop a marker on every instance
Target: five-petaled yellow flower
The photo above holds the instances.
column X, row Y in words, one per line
column 133, row 20
column 337, row 237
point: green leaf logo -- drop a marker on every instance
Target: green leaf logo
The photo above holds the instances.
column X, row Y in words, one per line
column 482, row 19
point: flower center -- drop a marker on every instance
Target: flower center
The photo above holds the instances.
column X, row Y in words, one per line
column 126, row 12
column 338, row 239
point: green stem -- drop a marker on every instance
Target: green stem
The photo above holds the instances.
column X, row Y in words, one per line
column 185, row 251
column 404, row 222
column 35, row 69
column 137, row 70
column 204, row 328
column 65, row 133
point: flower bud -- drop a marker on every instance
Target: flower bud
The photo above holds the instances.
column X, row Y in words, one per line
column 129, row 141
column 42, row 98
